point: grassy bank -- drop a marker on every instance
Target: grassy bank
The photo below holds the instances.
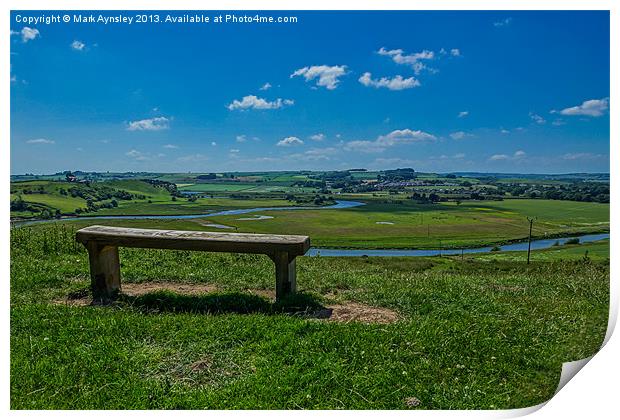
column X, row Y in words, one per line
column 470, row 334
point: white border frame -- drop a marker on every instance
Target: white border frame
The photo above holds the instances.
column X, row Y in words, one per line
column 592, row 393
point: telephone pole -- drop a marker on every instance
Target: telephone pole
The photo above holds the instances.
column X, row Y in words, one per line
column 529, row 240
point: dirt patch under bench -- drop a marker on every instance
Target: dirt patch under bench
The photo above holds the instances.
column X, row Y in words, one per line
column 341, row 312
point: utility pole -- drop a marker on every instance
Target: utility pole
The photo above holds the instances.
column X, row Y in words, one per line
column 529, row 240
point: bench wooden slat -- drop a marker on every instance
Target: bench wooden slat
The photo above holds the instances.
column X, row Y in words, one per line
column 195, row 240
column 102, row 243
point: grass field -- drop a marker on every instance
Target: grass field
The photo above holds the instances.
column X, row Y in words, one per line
column 469, row 334
column 424, row 226
column 152, row 201
column 182, row 206
column 598, row 250
column 243, row 187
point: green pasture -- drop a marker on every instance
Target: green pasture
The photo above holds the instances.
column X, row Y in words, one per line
column 598, row 250
column 470, row 334
column 410, row 225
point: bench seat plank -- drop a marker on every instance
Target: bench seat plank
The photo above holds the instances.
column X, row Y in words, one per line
column 102, row 243
column 195, row 240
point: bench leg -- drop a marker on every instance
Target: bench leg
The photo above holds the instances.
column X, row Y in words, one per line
column 105, row 271
column 286, row 274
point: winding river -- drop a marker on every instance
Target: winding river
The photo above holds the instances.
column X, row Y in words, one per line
column 328, row 252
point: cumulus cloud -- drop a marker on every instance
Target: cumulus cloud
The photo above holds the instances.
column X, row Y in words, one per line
column 170, row 146
column 234, row 150
column 327, row 76
column 463, row 114
column 27, row 34
column 591, row 108
column 290, row 141
column 213, row 143
column 519, row 154
column 318, row 137
column 537, row 118
column 266, row 86
column 40, row 141
column 414, row 60
column 460, row 135
column 396, row 137
column 137, row 155
column 254, row 102
column 149, row 124
column 395, row 83
column 78, row 45
column 455, row 52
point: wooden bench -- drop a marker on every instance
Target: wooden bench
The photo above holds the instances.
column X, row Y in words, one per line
column 102, row 243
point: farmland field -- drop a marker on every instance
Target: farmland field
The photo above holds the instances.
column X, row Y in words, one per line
column 423, row 226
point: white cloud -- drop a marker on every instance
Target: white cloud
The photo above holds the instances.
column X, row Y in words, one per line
column 320, row 153
column 460, row 135
column 234, row 150
column 455, row 52
column 463, row 114
column 266, row 86
column 213, row 143
column 254, row 102
column 396, row 137
column 582, row 156
column 170, row 146
column 591, row 108
column 537, row 118
column 414, row 60
column 504, row 131
column 149, row 124
column 519, row 154
column 40, row 141
column 241, row 138
column 503, row 22
column 290, row 141
column 318, row 137
column 395, row 83
column 78, row 45
column 27, row 34
column 135, row 154
column 327, row 75
column 13, row 78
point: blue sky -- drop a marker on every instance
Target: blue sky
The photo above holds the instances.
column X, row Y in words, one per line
column 436, row 91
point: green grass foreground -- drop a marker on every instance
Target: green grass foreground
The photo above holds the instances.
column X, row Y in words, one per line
column 472, row 334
